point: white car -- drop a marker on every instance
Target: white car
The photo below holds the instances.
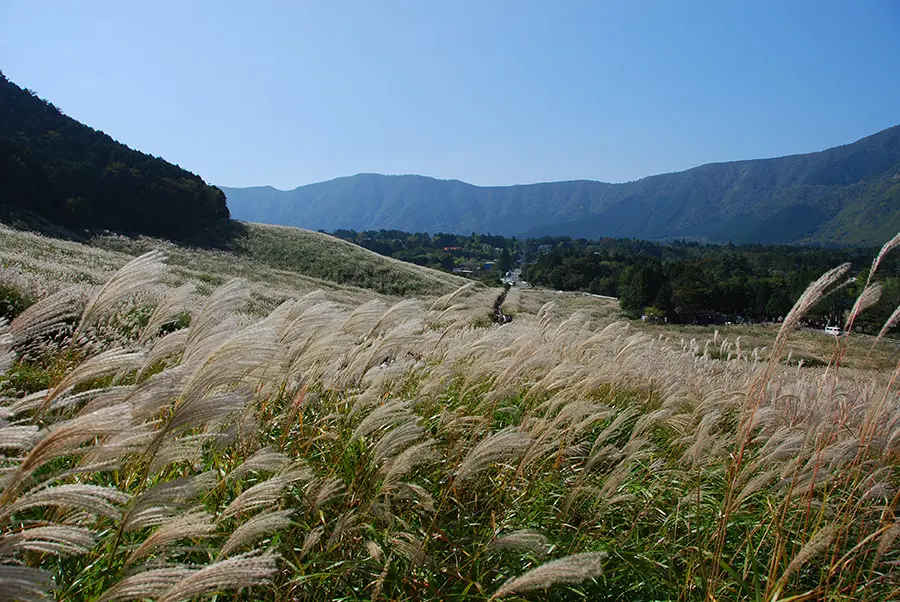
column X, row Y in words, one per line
column 834, row 331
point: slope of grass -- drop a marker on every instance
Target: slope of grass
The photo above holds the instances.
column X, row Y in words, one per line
column 165, row 448
column 330, row 258
column 278, row 263
column 311, row 255
column 812, row 346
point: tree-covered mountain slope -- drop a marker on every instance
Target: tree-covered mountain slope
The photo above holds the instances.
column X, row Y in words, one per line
column 843, row 195
column 63, row 171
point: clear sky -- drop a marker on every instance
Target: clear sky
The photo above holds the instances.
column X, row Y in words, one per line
column 490, row 92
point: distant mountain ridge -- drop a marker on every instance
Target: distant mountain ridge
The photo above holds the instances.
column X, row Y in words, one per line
column 844, row 195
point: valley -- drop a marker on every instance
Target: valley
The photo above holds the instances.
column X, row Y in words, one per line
column 193, row 406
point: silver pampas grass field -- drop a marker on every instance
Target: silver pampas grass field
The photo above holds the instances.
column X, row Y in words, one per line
column 168, row 444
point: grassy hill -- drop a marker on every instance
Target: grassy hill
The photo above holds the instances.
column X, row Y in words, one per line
column 825, row 197
column 277, row 262
column 329, row 258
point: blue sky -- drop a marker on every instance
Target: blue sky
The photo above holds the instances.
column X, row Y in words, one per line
column 288, row 93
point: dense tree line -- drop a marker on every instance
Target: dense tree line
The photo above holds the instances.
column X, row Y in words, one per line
column 680, row 282
column 703, row 284
column 74, row 176
column 441, row 251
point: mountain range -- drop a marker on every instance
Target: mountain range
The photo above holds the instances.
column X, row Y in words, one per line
column 58, row 169
column 844, row 195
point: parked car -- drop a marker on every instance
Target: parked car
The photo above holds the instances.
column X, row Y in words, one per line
column 834, row 331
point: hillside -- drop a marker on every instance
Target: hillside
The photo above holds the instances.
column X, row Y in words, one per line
column 277, row 262
column 843, row 195
column 72, row 175
column 330, row 259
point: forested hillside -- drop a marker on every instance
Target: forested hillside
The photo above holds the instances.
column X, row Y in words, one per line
column 72, row 175
column 679, row 282
column 689, row 283
column 844, row 195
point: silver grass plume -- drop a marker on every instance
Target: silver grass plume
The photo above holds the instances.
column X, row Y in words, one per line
column 755, row 484
column 193, row 525
column 180, row 449
column 504, row 446
column 569, row 570
column 234, row 430
column 415, row 494
column 891, row 532
column 59, row 540
column 92, row 399
column 399, row 466
column 445, row 301
column 891, row 321
column 311, row 540
column 407, row 309
column 545, row 314
column 812, row 295
column 166, row 347
column 344, row 525
column 46, row 315
column 266, row 459
column 869, row 297
column 66, row 438
column 131, row 278
column 577, row 492
column 817, row 544
column 363, row 317
column 885, row 249
column 246, row 570
column 198, row 349
column 266, row 493
column 329, row 489
column 129, row 442
column 613, row 428
column 102, row 501
column 198, row 411
column 146, row 584
column 362, row 402
column 166, row 310
column 165, row 500
column 374, row 550
column 879, row 491
column 396, row 439
column 524, row 540
column 392, row 412
column 7, row 355
column 311, row 298
column 237, row 357
column 257, row 527
column 158, row 392
column 108, row 363
column 411, row 548
column 24, row 584
column 231, row 297
column 18, row 437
